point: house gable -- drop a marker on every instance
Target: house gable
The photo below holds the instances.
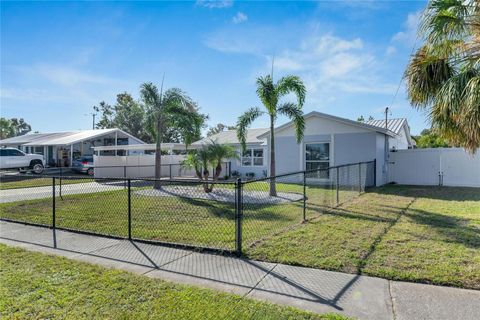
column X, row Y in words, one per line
column 317, row 123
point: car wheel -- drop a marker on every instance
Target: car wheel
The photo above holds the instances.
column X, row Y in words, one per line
column 37, row 168
column 90, row 171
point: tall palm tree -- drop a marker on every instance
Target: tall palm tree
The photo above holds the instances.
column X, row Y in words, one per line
column 160, row 107
column 270, row 94
column 443, row 75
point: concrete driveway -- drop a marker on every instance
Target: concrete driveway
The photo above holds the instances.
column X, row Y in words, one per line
column 20, row 194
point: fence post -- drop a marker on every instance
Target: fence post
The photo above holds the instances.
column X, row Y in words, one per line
column 170, row 171
column 125, row 177
column 238, row 216
column 129, row 209
column 304, row 196
column 53, row 204
column 359, row 177
column 337, row 186
column 60, row 190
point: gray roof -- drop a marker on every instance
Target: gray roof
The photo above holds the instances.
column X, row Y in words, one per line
column 394, row 125
column 59, row 138
column 339, row 119
column 230, row 136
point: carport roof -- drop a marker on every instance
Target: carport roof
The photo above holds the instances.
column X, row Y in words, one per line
column 60, row 138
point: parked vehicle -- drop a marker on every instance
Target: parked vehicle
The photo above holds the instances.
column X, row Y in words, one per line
column 11, row 158
column 83, row 165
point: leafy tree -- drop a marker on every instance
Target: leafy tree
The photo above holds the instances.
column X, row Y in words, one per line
column 172, row 107
column 132, row 116
column 13, row 127
column 209, row 156
column 270, row 94
column 6, row 128
column 443, row 76
column 428, row 138
column 107, row 119
column 219, row 128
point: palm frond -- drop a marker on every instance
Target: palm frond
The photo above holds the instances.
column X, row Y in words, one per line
column 244, row 121
column 425, row 75
column 295, row 113
column 291, row 84
column 150, row 96
column 266, row 93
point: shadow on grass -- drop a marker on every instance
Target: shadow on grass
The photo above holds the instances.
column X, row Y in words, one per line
column 430, row 192
column 452, row 228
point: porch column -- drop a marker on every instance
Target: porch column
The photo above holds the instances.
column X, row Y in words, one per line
column 116, row 143
column 71, row 155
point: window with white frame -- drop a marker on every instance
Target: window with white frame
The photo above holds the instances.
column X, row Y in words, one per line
column 252, row 157
column 317, row 156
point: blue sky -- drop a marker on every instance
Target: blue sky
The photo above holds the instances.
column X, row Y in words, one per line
column 58, row 59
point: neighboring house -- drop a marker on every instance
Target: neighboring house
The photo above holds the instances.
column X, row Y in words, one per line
column 328, row 141
column 401, row 129
column 60, row 148
column 253, row 160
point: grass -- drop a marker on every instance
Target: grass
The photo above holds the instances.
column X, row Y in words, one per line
column 34, row 285
column 32, row 182
column 421, row 234
column 171, row 219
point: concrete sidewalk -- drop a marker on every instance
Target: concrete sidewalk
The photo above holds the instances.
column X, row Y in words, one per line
column 310, row 289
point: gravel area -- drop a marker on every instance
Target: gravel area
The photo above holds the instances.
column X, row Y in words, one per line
column 221, row 194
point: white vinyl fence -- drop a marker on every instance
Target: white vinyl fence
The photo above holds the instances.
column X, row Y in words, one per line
column 435, row 166
column 139, row 166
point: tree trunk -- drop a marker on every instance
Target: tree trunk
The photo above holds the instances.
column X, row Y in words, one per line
column 273, row 189
column 158, row 155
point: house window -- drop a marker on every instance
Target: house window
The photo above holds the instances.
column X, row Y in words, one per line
column 252, row 157
column 317, row 156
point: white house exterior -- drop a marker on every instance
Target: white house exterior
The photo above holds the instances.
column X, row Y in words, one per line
column 254, row 160
column 60, row 148
column 328, row 141
column 402, row 139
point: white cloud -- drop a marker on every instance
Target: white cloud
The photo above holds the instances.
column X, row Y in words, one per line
column 65, row 76
column 60, row 83
column 390, row 50
column 215, row 4
column 409, row 34
column 330, row 62
column 239, row 18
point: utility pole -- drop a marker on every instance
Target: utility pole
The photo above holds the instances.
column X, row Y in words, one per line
column 93, row 114
column 386, row 117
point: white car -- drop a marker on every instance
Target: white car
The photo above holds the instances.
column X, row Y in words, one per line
column 11, row 158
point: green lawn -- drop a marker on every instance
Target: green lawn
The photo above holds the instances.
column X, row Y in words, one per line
column 32, row 182
column 172, row 219
column 424, row 234
column 38, row 286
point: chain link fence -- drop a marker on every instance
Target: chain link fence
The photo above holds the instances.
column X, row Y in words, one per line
column 232, row 216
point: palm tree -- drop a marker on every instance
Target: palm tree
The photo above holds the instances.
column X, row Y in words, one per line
column 161, row 107
column 209, row 156
column 270, row 94
column 443, row 75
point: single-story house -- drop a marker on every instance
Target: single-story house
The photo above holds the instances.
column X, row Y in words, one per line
column 402, row 139
column 60, row 148
column 328, row 141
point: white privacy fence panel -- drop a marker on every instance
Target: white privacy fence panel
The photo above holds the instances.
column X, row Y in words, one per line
column 139, row 166
column 435, row 166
